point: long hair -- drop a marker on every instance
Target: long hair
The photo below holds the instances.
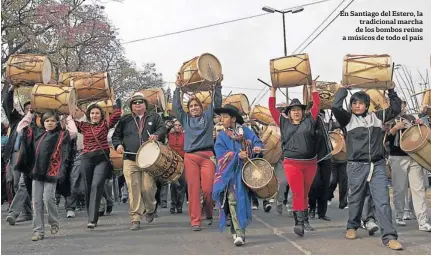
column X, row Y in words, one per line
column 197, row 100
column 102, row 113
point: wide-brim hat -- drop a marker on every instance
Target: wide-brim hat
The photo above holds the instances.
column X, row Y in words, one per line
column 138, row 96
column 230, row 110
column 295, row 103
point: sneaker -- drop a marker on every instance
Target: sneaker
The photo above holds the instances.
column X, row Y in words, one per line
column 351, row 234
column 70, row 214
column 407, row 215
column 54, row 229
column 254, row 207
column 238, row 241
column 91, row 225
column 36, row 237
column 267, row 207
column 150, row 217
column 124, row 200
column 196, row 228
column 400, row 222
column 329, row 203
column 136, row 225
column 271, row 201
column 11, row 220
column 425, row 227
column 371, row 227
column 394, row 245
column 109, row 210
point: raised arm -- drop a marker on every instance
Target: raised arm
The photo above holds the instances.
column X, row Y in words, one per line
column 26, row 121
column 271, row 105
column 315, row 109
column 7, row 104
column 342, row 116
column 71, row 127
column 115, row 117
column 394, row 108
column 177, row 106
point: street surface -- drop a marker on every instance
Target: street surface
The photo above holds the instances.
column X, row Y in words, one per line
column 269, row 233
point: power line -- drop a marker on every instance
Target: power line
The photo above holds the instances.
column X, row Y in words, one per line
column 319, row 26
column 215, row 24
column 326, row 26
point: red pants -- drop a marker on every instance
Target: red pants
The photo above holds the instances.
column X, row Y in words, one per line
column 200, row 172
column 300, row 175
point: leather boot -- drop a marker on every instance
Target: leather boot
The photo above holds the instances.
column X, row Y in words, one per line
column 307, row 225
column 299, row 223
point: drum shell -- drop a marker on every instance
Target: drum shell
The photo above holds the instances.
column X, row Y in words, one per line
column 48, row 97
column 65, row 78
column 28, row 69
column 339, row 152
column 264, row 191
column 168, row 166
column 271, row 139
column 377, row 100
column 195, row 77
column 368, row 71
column 116, row 158
column 92, row 87
column 204, row 97
column 290, row 71
column 156, row 98
column 240, row 101
column 417, row 143
column 426, row 100
column 106, row 105
column 262, row 115
column 326, row 91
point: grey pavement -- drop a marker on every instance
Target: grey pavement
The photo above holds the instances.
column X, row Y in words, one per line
column 269, row 233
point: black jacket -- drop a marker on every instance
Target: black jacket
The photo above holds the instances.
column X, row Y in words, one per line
column 365, row 134
column 126, row 132
column 14, row 117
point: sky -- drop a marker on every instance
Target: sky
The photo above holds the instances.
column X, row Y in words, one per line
column 246, row 47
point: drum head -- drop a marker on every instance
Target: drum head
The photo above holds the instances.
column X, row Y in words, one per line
column 46, row 72
column 209, row 67
column 245, row 104
column 411, row 139
column 257, row 177
column 147, row 154
column 337, row 142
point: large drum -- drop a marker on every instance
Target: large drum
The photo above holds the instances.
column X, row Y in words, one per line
column 204, row 97
column 47, row 97
column 160, row 161
column 378, row 100
column 262, row 115
column 106, row 105
column 326, row 91
column 258, row 176
column 200, row 73
column 156, row 99
column 290, row 71
column 28, row 69
column 116, row 158
column 92, row 86
column 66, row 77
column 368, row 71
column 338, row 145
column 416, row 141
column 240, row 101
column 271, row 140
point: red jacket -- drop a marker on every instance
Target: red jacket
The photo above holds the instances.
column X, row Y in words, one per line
column 176, row 142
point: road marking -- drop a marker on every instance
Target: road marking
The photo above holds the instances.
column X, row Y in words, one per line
column 279, row 233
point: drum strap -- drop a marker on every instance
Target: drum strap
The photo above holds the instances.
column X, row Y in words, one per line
column 100, row 146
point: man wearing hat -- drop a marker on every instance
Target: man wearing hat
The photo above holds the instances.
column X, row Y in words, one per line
column 234, row 144
column 131, row 132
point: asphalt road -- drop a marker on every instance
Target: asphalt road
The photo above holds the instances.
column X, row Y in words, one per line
column 269, row 233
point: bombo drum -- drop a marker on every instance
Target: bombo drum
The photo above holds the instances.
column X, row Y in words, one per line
column 416, row 141
column 262, row 115
column 258, row 176
column 326, row 92
column 338, row 145
column 117, row 159
column 368, row 71
column 200, row 73
column 156, row 99
column 28, row 69
column 92, row 87
column 271, row 139
column 240, row 101
column 290, row 71
column 160, row 161
column 47, row 97
column 378, row 100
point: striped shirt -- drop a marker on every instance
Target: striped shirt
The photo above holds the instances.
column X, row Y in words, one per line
column 100, row 130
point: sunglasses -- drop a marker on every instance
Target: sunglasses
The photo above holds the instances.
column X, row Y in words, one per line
column 137, row 102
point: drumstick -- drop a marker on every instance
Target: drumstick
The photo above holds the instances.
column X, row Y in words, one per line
column 420, row 130
column 130, row 153
column 252, row 163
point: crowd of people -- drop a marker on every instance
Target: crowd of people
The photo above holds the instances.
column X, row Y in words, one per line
column 47, row 156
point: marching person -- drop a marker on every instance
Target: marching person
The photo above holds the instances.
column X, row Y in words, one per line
column 45, row 154
column 198, row 148
column 366, row 167
column 234, row 145
column 298, row 137
column 131, row 132
column 95, row 163
column 178, row 191
column 406, row 171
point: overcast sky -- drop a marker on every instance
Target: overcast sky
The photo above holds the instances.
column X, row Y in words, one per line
column 245, row 48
